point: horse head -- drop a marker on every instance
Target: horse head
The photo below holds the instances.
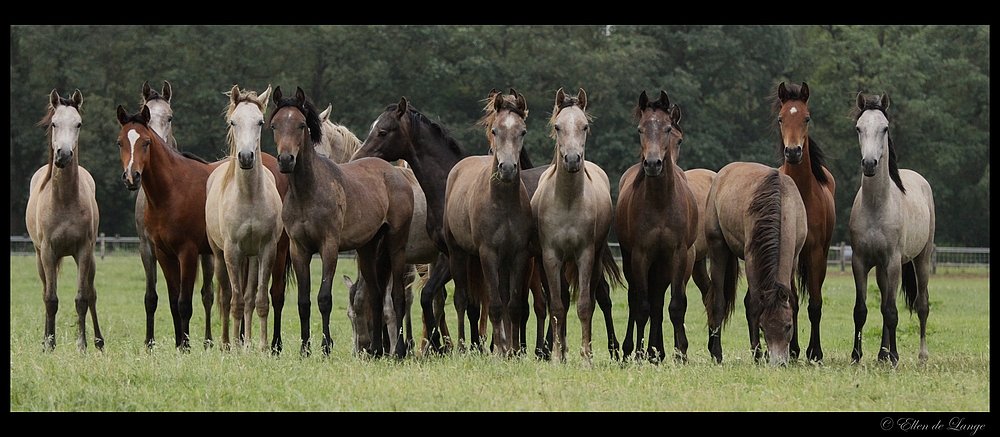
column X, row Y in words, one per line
column 63, row 122
column 389, row 137
column 505, row 120
column 570, row 126
column 660, row 135
column 161, row 117
column 793, row 120
column 872, row 126
column 246, row 117
column 133, row 144
column 296, row 126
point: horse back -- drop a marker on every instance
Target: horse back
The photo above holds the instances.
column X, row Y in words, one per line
column 375, row 193
column 919, row 218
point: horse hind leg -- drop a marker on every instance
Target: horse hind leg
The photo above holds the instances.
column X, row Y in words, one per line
column 920, row 267
column 148, row 256
column 207, row 295
column 86, row 299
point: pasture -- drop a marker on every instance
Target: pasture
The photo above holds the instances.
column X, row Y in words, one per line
column 127, row 377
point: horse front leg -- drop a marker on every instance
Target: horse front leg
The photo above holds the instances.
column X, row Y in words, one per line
column 432, row 303
column 279, row 278
column 860, row 271
column 86, row 298
column 888, row 282
column 459, row 271
column 587, row 271
column 301, row 259
column 225, row 277
column 324, row 300
column 207, row 294
column 185, row 303
column 147, row 254
column 678, row 307
column 47, row 271
column 816, row 276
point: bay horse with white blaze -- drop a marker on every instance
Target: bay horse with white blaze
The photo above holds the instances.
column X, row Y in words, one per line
column 62, row 218
column 892, row 230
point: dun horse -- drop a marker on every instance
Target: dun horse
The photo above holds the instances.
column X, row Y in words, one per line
column 243, row 218
column 62, row 218
column 573, row 211
column 892, row 230
column 656, row 223
column 803, row 160
column 754, row 212
column 364, row 205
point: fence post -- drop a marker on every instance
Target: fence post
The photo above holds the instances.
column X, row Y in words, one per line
column 843, row 255
column 102, row 245
column 934, row 260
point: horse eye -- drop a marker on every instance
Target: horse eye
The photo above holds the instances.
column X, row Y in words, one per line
column 808, row 119
column 557, row 128
column 780, row 120
column 232, row 123
column 260, row 122
column 170, row 119
column 586, row 127
column 524, row 132
column 680, row 141
column 79, row 125
column 640, row 131
column 382, row 133
column 53, row 125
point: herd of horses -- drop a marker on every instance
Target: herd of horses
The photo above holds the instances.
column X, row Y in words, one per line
column 498, row 226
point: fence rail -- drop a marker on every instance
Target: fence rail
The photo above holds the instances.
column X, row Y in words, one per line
column 839, row 255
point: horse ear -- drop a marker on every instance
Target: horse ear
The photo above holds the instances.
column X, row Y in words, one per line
column 78, row 98
column 861, row 101
column 348, row 282
column 664, row 100
column 522, row 105
column 122, row 115
column 325, row 115
column 804, row 93
column 497, row 102
column 54, row 98
column 234, row 94
column 145, row 114
column 263, row 97
column 300, row 95
column 581, row 99
column 884, row 101
column 675, row 114
column 145, row 90
column 782, row 92
column 643, row 101
column 402, row 107
column 560, row 97
column 166, row 91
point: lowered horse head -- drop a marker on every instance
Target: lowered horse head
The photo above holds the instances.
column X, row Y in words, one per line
column 245, row 115
column 504, row 121
column 660, row 135
column 134, row 141
column 570, row 126
column 63, row 123
column 161, row 117
column 296, row 124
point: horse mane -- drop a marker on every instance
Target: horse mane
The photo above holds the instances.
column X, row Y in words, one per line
column 817, row 158
column 765, row 242
column 308, row 109
column 351, row 141
column 438, row 129
column 873, row 103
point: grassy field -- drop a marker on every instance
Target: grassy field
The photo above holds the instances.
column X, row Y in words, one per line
column 125, row 377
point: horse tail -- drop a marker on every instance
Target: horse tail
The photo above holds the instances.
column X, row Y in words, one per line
column 612, row 272
column 910, row 285
column 803, row 277
column 728, row 286
column 572, row 273
column 765, row 242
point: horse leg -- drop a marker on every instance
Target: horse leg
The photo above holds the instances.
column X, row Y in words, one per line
column 678, row 306
column 921, row 267
column 324, row 300
column 586, row 269
column 395, row 243
column 724, row 268
column 147, row 254
column 557, row 311
column 279, row 271
column 85, row 265
column 816, row 276
column 459, row 271
column 262, row 305
column 207, row 295
column 888, row 282
column 48, row 267
column 659, row 281
column 603, row 296
column 432, row 301
column 225, row 277
column 860, row 271
column 517, row 306
column 89, row 266
column 539, row 294
column 301, row 259
column 188, row 275
column 171, row 267
column 639, row 298
column 627, row 344
column 478, row 298
column 254, row 280
column 752, row 303
column 699, row 273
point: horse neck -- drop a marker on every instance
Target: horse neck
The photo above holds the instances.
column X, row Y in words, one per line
column 801, row 173
column 156, row 174
column 65, row 181
column 660, row 190
column 249, row 180
column 569, row 185
column 877, row 189
column 431, row 164
column 303, row 177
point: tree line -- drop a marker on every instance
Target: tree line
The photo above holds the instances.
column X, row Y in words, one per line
column 722, row 77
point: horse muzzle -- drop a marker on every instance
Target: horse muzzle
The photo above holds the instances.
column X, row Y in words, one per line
column 868, row 167
column 573, row 162
column 286, row 163
column 793, row 155
column 132, row 183
column 507, row 172
column 63, row 158
column 245, row 159
column 652, row 167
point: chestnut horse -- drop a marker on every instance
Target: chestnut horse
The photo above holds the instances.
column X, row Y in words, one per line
column 892, row 230
column 803, row 160
column 365, row 205
column 656, row 223
column 754, row 213
column 62, row 218
column 573, row 211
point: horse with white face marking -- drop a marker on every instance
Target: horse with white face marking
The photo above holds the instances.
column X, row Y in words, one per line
column 62, row 218
column 892, row 230
column 243, row 218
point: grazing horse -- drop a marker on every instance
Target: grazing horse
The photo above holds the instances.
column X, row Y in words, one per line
column 755, row 213
column 892, row 230
column 803, row 160
column 161, row 121
column 62, row 218
column 365, row 205
column 488, row 221
column 243, row 218
column 656, row 223
column 573, row 213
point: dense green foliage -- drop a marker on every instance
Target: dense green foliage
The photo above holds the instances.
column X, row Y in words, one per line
column 722, row 76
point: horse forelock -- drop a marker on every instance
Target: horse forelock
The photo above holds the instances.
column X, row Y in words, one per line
column 509, row 103
column 873, row 103
column 765, row 238
column 307, row 109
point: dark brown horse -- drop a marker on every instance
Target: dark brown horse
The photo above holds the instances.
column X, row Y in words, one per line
column 803, row 160
column 365, row 205
column 755, row 213
column 656, row 221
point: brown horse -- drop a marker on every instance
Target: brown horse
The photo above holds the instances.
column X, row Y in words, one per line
column 365, row 205
column 656, row 223
column 700, row 181
column 754, row 213
column 488, row 221
column 573, row 212
column 803, row 160
column 62, row 218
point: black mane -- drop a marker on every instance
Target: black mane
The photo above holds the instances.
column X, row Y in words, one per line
column 308, row 109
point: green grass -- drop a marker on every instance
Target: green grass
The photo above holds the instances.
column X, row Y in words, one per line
column 125, row 377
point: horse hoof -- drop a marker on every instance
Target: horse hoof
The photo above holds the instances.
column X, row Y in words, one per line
column 99, row 344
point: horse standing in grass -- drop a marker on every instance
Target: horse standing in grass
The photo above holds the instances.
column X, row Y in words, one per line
column 803, row 160
column 892, row 230
column 755, row 213
column 573, row 213
column 656, row 222
column 243, row 218
column 62, row 218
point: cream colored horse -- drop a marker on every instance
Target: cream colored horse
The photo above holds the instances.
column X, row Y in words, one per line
column 243, row 218
column 62, row 218
column 572, row 207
